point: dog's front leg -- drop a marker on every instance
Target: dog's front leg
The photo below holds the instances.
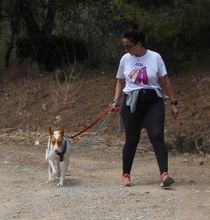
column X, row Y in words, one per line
column 50, row 178
column 65, row 167
column 57, row 168
column 52, row 167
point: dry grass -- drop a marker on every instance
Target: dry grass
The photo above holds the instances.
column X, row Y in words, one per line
column 16, row 70
column 62, row 92
column 204, row 89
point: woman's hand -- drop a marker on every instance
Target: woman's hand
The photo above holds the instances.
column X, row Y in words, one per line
column 167, row 85
column 115, row 108
column 174, row 111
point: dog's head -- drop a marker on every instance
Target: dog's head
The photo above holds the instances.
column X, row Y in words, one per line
column 57, row 139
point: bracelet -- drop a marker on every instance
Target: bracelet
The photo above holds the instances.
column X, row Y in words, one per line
column 116, row 102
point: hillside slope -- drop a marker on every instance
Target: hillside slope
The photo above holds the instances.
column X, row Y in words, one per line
column 36, row 101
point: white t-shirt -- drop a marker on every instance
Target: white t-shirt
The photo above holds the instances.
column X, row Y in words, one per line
column 141, row 72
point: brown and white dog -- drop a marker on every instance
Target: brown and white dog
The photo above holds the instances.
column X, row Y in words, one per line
column 57, row 151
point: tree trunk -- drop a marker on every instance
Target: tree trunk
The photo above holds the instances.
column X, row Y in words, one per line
column 49, row 21
column 31, row 24
column 14, row 26
column 9, row 49
column 26, row 12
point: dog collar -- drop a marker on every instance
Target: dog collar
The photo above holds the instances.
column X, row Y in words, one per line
column 61, row 154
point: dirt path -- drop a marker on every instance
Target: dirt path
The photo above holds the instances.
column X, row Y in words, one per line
column 92, row 190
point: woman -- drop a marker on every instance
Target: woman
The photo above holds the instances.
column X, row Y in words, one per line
column 138, row 76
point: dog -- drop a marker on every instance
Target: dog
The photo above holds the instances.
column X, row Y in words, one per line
column 57, row 151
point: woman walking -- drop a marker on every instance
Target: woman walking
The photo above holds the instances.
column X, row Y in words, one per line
column 139, row 73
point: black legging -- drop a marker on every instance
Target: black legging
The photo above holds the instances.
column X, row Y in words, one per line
column 152, row 114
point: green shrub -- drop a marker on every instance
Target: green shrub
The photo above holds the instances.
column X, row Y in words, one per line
column 181, row 143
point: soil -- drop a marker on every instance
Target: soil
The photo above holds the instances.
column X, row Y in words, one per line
column 32, row 103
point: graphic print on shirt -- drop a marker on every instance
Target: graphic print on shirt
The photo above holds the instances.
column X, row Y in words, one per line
column 139, row 74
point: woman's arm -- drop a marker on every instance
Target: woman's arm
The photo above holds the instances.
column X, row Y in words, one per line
column 165, row 82
column 118, row 89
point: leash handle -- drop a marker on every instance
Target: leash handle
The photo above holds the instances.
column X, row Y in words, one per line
column 111, row 110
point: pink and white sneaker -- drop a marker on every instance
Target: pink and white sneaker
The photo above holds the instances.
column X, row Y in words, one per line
column 165, row 180
column 126, row 180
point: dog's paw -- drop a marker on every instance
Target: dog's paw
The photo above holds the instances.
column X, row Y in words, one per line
column 59, row 184
column 50, row 180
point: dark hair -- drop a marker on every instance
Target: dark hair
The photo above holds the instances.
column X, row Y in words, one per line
column 134, row 34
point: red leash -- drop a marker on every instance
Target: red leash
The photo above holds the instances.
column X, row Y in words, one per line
column 104, row 114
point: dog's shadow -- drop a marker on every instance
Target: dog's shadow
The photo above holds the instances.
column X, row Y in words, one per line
column 72, row 182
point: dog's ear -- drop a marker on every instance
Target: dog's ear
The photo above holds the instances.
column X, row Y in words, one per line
column 61, row 131
column 51, row 131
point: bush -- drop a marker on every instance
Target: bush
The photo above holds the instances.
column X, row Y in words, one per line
column 50, row 53
column 181, row 143
column 67, row 74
